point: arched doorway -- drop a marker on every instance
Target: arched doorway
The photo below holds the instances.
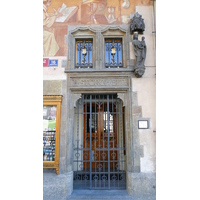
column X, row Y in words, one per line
column 99, row 143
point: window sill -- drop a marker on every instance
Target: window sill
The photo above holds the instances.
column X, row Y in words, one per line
column 88, row 70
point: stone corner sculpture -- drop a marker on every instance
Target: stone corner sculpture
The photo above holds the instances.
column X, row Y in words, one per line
column 140, row 54
column 137, row 26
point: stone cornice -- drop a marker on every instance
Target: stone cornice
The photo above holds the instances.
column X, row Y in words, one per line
column 98, row 28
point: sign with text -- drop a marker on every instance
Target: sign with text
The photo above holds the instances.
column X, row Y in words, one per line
column 53, row 62
column 143, row 124
column 45, row 62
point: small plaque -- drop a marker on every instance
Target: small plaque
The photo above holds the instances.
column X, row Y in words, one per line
column 53, row 63
column 143, row 124
column 45, row 62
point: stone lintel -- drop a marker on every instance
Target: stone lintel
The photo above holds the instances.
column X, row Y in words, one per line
column 99, row 83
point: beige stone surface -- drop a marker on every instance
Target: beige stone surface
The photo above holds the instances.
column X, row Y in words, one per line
column 146, row 93
column 147, row 15
column 53, row 87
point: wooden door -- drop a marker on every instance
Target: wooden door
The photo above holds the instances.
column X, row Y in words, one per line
column 100, row 137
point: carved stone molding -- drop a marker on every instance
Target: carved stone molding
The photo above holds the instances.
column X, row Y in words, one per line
column 137, row 24
column 75, row 98
column 122, row 97
column 100, row 82
column 96, row 28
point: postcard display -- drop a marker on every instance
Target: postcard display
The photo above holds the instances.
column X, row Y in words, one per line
column 51, row 131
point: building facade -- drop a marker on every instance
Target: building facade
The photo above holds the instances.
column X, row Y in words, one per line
column 99, row 87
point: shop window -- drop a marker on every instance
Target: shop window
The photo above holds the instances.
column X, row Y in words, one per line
column 51, row 131
column 113, row 51
column 84, row 53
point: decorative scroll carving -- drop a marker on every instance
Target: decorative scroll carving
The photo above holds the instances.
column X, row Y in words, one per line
column 75, row 98
column 140, row 54
column 122, row 97
column 137, row 24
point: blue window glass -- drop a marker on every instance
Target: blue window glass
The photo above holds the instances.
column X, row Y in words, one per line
column 84, row 53
column 113, row 52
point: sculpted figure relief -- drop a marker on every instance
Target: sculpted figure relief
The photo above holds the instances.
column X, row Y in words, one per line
column 140, row 50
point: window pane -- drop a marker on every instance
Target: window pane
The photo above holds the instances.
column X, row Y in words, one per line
column 113, row 52
column 83, row 53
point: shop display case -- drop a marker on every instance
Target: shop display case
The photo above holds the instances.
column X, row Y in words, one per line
column 51, row 131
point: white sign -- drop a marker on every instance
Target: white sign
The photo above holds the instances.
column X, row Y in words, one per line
column 143, row 124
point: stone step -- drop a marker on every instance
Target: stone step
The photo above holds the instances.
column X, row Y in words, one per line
column 99, row 195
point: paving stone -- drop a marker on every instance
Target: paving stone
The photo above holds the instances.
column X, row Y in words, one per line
column 99, row 194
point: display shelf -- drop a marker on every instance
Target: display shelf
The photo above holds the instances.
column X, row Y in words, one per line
column 51, row 131
column 49, row 145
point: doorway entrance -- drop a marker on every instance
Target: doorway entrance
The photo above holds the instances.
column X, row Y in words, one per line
column 99, row 143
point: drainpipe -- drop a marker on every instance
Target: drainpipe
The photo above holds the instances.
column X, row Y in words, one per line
column 154, row 20
column 154, row 29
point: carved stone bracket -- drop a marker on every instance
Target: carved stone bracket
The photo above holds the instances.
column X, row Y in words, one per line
column 122, row 97
column 75, row 98
column 139, row 72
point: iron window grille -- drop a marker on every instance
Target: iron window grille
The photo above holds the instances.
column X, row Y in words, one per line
column 113, row 53
column 84, row 53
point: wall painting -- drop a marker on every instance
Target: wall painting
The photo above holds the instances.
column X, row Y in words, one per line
column 58, row 14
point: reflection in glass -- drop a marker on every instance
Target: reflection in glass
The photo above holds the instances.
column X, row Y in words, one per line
column 113, row 52
column 108, row 117
column 49, row 132
column 84, row 53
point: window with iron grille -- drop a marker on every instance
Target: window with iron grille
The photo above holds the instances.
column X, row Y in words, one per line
column 84, row 53
column 113, row 53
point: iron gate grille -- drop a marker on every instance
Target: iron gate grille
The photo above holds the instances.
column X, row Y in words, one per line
column 99, row 143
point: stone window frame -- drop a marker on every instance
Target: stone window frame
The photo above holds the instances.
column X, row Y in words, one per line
column 115, row 33
column 75, row 35
column 98, row 34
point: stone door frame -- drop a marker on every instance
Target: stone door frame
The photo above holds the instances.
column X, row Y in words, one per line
column 77, row 84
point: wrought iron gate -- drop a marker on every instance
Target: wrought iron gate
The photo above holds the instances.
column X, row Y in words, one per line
column 99, row 143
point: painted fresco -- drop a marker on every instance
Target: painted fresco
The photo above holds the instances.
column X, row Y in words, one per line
column 58, row 14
